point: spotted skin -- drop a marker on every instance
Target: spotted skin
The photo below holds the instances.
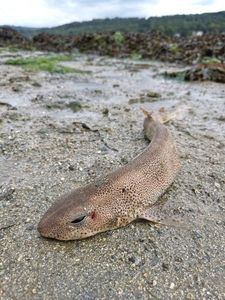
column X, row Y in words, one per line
column 120, row 197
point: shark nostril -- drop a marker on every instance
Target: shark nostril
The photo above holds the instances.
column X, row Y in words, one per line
column 79, row 219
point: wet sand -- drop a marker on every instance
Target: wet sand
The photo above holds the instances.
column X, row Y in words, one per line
column 45, row 151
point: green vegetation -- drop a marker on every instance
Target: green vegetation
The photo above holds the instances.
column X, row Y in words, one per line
column 9, row 49
column 184, row 25
column 135, row 55
column 173, row 48
column 55, row 105
column 74, row 106
column 45, row 63
column 211, row 60
column 100, row 40
column 118, row 37
column 180, row 75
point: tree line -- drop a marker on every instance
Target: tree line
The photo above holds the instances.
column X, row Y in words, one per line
column 184, row 25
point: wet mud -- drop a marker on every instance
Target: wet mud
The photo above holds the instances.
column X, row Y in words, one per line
column 47, row 148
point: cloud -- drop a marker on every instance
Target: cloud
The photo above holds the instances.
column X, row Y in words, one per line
column 40, row 13
column 204, row 2
column 101, row 8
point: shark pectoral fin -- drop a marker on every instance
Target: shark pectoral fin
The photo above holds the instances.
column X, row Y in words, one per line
column 155, row 216
column 152, row 214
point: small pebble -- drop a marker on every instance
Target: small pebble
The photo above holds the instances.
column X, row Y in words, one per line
column 217, row 185
column 172, row 285
column 190, row 296
column 71, row 168
column 30, row 227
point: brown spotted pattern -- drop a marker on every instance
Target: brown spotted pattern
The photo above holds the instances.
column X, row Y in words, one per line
column 121, row 196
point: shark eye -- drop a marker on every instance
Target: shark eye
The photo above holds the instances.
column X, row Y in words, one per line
column 79, row 219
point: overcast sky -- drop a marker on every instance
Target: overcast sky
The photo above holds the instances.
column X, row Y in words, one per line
column 40, row 13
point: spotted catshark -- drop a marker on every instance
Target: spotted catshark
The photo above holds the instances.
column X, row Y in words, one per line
column 129, row 193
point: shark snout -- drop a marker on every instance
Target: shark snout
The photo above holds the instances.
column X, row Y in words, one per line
column 54, row 228
column 45, row 228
